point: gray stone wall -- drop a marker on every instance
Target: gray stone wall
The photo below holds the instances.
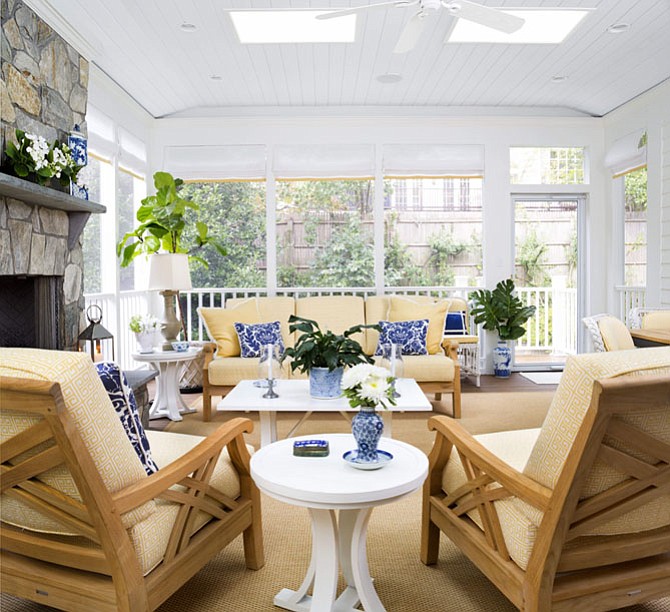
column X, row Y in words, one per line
column 43, row 90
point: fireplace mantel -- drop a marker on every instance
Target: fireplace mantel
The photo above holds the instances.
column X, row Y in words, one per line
column 37, row 195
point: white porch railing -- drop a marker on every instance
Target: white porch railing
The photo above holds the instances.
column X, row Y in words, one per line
column 549, row 331
column 629, row 297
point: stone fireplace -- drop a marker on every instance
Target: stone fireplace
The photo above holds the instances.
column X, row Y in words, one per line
column 43, row 90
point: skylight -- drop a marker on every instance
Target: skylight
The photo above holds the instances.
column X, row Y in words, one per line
column 292, row 26
column 543, row 26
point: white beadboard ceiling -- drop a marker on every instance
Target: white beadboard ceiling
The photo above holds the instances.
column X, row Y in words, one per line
column 140, row 45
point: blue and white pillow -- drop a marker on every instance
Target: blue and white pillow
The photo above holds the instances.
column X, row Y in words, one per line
column 455, row 323
column 254, row 335
column 410, row 334
column 123, row 400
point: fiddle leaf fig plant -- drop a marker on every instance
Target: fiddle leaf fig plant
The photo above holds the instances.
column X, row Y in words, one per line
column 501, row 311
column 317, row 349
column 162, row 221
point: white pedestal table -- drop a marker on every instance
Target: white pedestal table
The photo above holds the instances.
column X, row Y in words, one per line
column 328, row 486
column 169, row 364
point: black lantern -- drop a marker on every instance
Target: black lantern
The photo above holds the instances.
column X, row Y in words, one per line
column 93, row 337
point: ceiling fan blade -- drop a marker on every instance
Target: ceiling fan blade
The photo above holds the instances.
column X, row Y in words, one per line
column 486, row 16
column 365, row 7
column 410, row 33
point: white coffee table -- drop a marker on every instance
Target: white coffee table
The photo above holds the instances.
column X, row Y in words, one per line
column 328, row 486
column 168, row 401
column 294, row 397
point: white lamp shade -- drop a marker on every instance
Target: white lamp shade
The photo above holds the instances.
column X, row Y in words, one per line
column 169, row 271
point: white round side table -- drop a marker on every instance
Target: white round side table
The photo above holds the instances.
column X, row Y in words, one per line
column 168, row 401
column 328, row 486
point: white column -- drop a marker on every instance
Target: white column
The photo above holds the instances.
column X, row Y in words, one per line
column 378, row 216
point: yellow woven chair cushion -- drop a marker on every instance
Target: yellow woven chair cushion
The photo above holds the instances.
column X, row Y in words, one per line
column 616, row 336
column 513, row 447
column 422, row 307
column 220, row 325
column 150, row 537
column 659, row 319
column 89, row 407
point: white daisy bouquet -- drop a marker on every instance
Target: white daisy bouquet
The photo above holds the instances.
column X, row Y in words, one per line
column 368, row 386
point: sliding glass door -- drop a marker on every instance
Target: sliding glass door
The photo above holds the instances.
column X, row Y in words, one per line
column 548, row 276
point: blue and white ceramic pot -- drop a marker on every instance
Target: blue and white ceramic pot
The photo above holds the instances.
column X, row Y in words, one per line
column 324, row 383
column 502, row 360
column 367, row 427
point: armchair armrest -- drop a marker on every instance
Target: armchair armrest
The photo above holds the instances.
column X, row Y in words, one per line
column 208, row 351
column 450, row 348
column 451, row 433
column 229, row 434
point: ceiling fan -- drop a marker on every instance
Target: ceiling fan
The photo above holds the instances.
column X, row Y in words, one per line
column 484, row 15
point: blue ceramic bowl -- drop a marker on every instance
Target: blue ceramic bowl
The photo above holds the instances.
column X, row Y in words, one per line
column 180, row 346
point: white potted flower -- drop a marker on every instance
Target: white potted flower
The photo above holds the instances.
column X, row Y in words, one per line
column 145, row 327
column 367, row 387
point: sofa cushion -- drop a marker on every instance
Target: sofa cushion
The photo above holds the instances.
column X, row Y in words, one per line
column 427, row 368
column 252, row 336
column 150, row 537
column 220, row 325
column 376, row 310
column 95, row 419
column 410, row 335
column 278, row 308
column 228, row 371
column 615, row 334
column 410, row 309
column 123, row 400
column 335, row 313
column 658, row 319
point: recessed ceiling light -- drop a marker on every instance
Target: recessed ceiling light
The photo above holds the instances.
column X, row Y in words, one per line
column 559, row 78
column 188, row 27
column 389, row 77
column 292, row 26
column 618, row 28
column 541, row 26
column 216, row 77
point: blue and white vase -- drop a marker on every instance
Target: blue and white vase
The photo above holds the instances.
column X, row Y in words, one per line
column 325, row 383
column 502, row 360
column 78, row 145
column 367, row 427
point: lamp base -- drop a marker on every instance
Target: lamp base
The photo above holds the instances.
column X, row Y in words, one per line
column 170, row 325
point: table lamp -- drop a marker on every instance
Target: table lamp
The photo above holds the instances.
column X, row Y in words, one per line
column 169, row 273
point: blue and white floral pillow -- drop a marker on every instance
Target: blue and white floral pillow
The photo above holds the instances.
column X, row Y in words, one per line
column 411, row 334
column 123, row 400
column 254, row 335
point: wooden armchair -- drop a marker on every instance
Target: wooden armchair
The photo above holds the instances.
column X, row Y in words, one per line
column 572, row 516
column 83, row 526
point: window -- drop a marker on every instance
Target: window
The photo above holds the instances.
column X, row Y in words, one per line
column 635, row 227
column 546, row 165
column 130, row 190
column 325, row 233
column 432, row 231
column 234, row 212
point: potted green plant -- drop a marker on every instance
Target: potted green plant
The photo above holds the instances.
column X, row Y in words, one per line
column 162, row 221
column 323, row 355
column 501, row 311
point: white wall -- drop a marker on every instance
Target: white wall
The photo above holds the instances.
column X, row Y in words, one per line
column 650, row 111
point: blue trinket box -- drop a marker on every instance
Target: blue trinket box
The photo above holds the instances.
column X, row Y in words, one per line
column 311, row 448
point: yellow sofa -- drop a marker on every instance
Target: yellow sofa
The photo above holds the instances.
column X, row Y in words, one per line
column 438, row 372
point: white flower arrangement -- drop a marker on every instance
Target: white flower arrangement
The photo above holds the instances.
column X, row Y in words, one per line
column 143, row 323
column 35, row 159
column 368, row 386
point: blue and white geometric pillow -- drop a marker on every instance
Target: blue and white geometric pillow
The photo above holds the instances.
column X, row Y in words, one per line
column 123, row 400
column 454, row 323
column 411, row 334
column 254, row 335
